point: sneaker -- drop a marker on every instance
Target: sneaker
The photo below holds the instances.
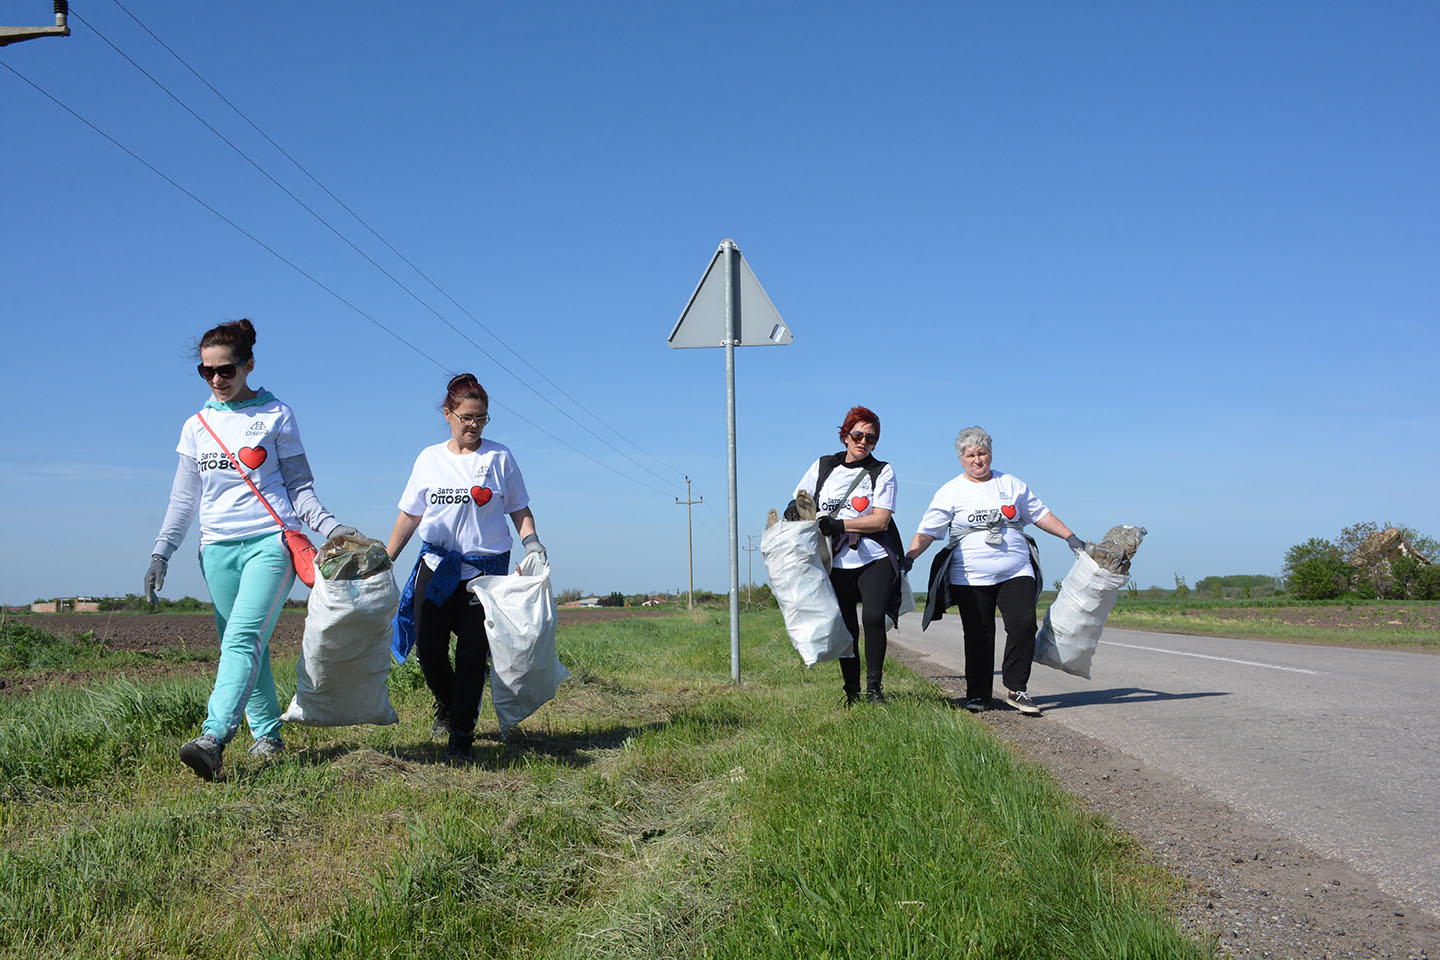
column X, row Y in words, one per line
column 267, row 748
column 203, row 755
column 441, row 726
column 976, row 704
column 1021, row 701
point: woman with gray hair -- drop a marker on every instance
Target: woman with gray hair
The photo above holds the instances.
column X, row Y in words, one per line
column 988, row 563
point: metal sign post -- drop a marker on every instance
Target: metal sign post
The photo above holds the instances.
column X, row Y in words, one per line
column 729, row 308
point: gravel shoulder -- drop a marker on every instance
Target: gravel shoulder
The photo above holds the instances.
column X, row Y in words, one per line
column 1257, row 892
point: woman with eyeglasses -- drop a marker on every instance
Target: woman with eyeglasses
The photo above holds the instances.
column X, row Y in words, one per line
column 243, row 556
column 989, row 563
column 458, row 496
column 855, row 498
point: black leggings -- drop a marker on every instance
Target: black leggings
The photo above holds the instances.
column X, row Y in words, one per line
column 1016, row 600
column 870, row 586
column 457, row 690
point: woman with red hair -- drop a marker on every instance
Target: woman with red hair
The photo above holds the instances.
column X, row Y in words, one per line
column 855, row 498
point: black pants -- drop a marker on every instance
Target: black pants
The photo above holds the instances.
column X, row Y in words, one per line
column 457, row 689
column 1016, row 601
column 870, row 586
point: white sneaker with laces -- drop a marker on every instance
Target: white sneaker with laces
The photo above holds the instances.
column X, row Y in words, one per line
column 1021, row 701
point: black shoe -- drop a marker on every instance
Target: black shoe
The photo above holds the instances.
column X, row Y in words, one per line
column 850, row 698
column 459, row 746
column 976, row 704
column 874, row 695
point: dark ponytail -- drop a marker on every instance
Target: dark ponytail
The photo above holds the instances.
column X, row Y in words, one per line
column 238, row 335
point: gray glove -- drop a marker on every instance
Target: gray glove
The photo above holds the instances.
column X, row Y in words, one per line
column 1075, row 543
column 340, row 530
column 155, row 576
column 532, row 545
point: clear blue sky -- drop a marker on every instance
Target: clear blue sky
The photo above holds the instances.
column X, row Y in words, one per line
column 1179, row 259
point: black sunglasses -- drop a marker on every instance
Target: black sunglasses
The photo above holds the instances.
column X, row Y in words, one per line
column 859, row 437
column 225, row 370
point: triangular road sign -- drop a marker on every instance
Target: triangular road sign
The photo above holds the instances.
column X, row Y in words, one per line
column 702, row 322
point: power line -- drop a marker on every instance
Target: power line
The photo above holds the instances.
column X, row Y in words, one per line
column 308, row 276
column 496, row 337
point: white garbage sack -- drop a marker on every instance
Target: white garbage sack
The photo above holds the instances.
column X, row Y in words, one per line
column 520, row 622
column 345, row 655
column 801, row 585
column 1072, row 626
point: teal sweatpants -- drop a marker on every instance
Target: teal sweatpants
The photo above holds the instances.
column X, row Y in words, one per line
column 249, row 581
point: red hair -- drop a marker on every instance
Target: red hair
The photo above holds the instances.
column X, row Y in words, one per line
column 462, row 388
column 859, row 414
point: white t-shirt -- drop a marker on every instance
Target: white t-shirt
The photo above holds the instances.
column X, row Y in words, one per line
column 260, row 433
column 962, row 504
column 861, row 502
column 462, row 499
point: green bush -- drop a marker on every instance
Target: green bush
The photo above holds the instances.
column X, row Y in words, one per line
column 1316, row 570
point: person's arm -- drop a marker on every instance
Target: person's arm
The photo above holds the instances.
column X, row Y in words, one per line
column 184, row 501
column 524, row 522
column 405, row 526
column 919, row 545
column 300, row 487
column 872, row 522
column 1052, row 525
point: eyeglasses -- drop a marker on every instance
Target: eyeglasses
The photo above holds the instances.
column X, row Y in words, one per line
column 479, row 421
column 859, row 437
column 226, row 371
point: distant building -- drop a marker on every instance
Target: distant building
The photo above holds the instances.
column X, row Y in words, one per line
column 583, row 602
column 66, row 605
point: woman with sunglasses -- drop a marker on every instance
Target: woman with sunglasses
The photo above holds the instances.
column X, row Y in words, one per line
column 458, row 496
column 855, row 498
column 243, row 556
column 989, row 563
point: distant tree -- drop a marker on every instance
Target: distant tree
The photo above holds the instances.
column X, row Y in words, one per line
column 568, row 596
column 1316, row 570
column 616, row 599
column 1181, row 590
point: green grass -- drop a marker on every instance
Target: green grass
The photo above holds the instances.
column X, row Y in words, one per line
column 1395, row 624
column 27, row 650
column 652, row 810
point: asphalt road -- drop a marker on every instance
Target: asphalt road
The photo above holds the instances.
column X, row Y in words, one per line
column 1338, row 748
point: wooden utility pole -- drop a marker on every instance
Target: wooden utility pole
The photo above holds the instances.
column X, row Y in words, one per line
column 749, row 566
column 690, row 538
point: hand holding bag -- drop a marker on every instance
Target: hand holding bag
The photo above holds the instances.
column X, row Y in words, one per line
column 302, row 551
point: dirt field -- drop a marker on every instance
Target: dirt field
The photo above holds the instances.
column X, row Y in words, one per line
column 195, row 632
column 1260, row 893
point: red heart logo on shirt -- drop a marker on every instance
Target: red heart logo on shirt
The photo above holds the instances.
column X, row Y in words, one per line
column 859, row 503
column 252, row 457
column 1009, row 512
column 481, row 495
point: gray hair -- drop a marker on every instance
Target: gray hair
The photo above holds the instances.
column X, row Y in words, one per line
column 972, row 437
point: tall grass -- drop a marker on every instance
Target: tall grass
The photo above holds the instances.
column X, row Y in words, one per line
column 652, row 810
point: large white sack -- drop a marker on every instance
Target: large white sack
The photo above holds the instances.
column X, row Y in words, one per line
column 802, row 590
column 1071, row 631
column 520, row 622
column 345, row 656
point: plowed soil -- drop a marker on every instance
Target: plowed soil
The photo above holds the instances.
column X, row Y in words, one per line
column 195, row 632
